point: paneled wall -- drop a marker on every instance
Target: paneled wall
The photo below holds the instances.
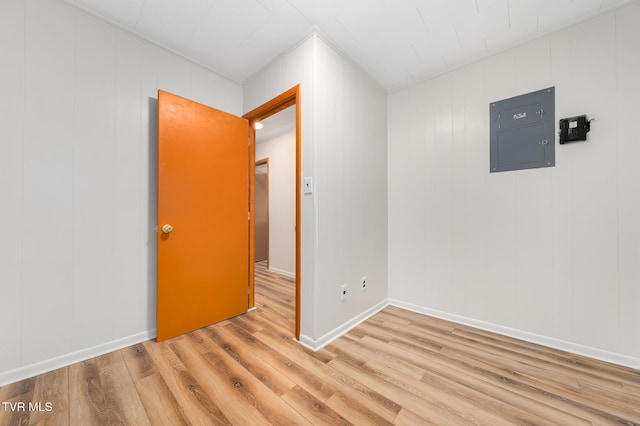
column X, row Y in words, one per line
column 550, row 254
column 77, row 178
column 351, row 190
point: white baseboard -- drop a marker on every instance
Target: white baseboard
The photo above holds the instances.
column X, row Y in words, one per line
column 600, row 354
column 31, row 370
column 282, row 272
column 317, row 344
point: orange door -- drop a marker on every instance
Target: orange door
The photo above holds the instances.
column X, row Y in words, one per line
column 203, row 186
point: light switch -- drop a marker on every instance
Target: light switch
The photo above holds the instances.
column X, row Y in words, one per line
column 307, row 184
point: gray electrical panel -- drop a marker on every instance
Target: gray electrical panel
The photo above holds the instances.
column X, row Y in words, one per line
column 523, row 131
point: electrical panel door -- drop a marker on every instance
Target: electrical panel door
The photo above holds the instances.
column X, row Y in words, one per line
column 522, row 131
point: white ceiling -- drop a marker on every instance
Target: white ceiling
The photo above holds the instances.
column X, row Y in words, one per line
column 398, row 42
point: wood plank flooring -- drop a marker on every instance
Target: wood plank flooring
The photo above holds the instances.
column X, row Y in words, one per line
column 397, row 368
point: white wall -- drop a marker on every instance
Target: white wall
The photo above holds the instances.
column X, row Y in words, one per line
column 344, row 231
column 552, row 254
column 351, row 191
column 281, row 152
column 77, row 175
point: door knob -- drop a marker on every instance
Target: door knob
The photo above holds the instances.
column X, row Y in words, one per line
column 166, row 229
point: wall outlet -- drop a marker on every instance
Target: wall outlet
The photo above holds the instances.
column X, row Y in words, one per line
column 343, row 292
column 363, row 284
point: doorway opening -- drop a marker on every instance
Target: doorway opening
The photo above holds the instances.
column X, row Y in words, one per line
column 262, row 225
column 290, row 101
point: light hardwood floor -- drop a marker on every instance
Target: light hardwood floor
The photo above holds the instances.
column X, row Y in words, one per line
column 396, row 368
